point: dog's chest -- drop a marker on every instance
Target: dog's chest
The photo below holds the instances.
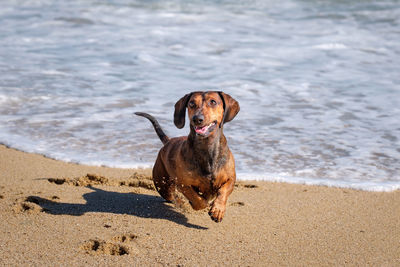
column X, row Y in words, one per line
column 204, row 163
column 207, row 166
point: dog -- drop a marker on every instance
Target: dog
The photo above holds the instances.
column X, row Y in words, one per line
column 199, row 165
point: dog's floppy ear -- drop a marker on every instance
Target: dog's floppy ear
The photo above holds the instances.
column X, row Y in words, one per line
column 180, row 111
column 231, row 107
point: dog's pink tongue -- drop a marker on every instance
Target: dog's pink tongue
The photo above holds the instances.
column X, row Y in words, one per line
column 201, row 130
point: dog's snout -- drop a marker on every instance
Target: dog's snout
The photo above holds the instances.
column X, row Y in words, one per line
column 198, row 119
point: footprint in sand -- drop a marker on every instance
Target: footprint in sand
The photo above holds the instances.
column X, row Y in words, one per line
column 95, row 246
column 246, row 185
column 125, row 238
column 136, row 180
column 250, row 186
column 237, row 204
column 27, row 207
column 31, row 204
column 119, row 245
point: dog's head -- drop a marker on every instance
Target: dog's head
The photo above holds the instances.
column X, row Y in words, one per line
column 207, row 111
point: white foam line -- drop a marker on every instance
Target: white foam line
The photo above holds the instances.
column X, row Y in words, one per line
column 365, row 186
column 330, row 46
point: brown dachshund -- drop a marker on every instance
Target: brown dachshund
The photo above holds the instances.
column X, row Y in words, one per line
column 200, row 166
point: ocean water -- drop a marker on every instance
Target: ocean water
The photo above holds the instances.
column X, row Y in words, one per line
column 318, row 82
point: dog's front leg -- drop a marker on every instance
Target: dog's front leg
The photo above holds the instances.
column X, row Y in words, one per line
column 196, row 201
column 218, row 207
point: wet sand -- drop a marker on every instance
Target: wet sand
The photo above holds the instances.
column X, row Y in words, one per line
column 54, row 213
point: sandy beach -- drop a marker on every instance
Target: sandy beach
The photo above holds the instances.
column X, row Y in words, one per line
column 54, row 213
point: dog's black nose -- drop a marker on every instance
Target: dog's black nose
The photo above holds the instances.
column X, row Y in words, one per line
column 198, row 119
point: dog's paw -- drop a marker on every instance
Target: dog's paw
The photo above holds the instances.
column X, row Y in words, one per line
column 217, row 212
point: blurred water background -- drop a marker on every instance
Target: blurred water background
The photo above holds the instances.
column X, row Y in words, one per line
column 318, row 82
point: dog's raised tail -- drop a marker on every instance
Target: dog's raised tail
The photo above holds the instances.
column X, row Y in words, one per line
column 163, row 137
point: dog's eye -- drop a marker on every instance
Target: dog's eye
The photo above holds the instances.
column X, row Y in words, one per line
column 213, row 102
column 191, row 104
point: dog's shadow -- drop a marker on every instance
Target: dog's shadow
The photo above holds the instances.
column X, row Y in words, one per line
column 145, row 206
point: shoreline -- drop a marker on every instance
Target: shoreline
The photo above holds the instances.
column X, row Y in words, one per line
column 243, row 177
column 115, row 220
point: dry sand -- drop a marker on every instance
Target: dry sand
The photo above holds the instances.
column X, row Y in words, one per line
column 51, row 217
